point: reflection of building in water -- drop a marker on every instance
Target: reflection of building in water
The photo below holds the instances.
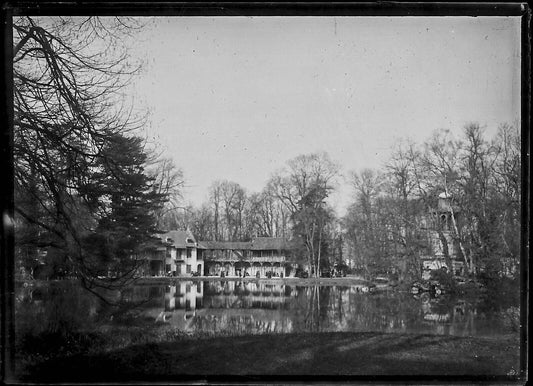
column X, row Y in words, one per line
column 236, row 307
column 178, row 303
column 247, row 295
column 260, row 257
column 184, row 295
column 225, row 306
column 457, row 319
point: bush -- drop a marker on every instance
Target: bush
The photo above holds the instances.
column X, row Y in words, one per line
column 444, row 279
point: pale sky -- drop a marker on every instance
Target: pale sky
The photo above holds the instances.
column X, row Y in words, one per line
column 236, row 97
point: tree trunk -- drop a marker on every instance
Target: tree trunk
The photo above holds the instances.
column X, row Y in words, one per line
column 319, row 251
column 445, row 250
column 461, row 246
column 456, row 230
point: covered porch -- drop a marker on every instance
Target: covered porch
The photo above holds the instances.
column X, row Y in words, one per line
column 247, row 269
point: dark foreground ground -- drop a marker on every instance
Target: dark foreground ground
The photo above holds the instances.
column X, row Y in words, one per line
column 292, row 355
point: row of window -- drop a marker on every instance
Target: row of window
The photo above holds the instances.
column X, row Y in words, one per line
column 187, row 268
column 178, row 253
column 242, row 253
column 178, row 289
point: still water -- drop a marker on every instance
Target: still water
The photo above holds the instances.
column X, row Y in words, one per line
column 233, row 307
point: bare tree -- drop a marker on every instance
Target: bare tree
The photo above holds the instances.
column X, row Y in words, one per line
column 303, row 187
column 234, row 201
column 267, row 215
column 440, row 164
column 361, row 221
column 408, row 209
column 215, row 199
column 170, row 182
column 507, row 177
column 68, row 74
column 478, row 183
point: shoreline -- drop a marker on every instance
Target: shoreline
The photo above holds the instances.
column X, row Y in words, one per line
column 347, row 281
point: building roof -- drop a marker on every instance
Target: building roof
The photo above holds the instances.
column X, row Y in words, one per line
column 231, row 245
column 257, row 243
column 178, row 239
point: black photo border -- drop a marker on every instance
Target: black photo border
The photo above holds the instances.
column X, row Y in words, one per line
column 174, row 8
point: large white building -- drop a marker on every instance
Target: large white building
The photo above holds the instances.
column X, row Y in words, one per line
column 179, row 254
column 260, row 257
column 176, row 256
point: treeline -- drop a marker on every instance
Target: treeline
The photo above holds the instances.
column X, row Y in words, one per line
column 389, row 225
column 88, row 189
column 90, row 194
column 231, row 213
column 292, row 205
column 93, row 193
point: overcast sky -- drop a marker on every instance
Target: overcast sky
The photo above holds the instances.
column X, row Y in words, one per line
column 235, row 98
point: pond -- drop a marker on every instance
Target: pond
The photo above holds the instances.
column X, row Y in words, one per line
column 240, row 308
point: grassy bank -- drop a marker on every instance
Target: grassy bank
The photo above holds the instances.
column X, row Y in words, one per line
column 309, row 354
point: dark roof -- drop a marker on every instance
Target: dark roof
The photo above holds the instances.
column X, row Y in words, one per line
column 277, row 243
column 257, row 243
column 208, row 244
column 178, row 239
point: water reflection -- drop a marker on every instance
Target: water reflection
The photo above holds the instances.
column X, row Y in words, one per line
column 236, row 307
column 246, row 295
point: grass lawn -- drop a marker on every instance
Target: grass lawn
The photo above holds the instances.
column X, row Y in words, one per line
column 291, row 355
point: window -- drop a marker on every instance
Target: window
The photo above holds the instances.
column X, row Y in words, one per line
column 188, row 268
column 189, row 253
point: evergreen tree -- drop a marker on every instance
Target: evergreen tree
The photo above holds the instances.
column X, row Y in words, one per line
column 131, row 200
